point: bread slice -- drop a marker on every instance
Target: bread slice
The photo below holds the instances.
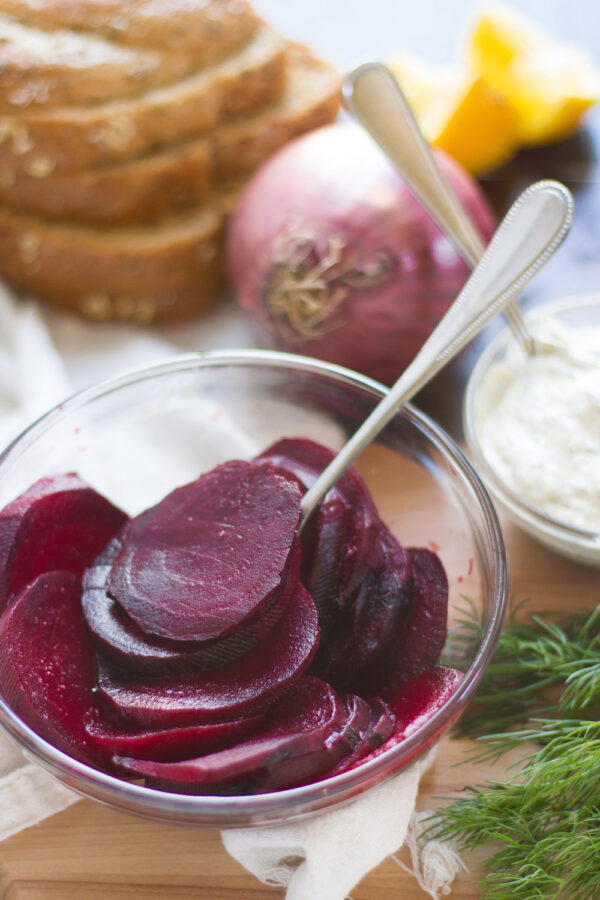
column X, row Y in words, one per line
column 146, row 274
column 181, row 176
column 61, row 67
column 206, row 31
column 76, row 138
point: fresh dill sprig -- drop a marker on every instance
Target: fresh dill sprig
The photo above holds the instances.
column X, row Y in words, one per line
column 540, row 693
column 537, row 664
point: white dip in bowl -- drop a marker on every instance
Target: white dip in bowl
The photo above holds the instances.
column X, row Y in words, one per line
column 533, row 426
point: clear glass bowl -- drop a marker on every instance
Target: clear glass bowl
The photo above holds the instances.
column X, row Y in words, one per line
column 574, row 313
column 138, row 436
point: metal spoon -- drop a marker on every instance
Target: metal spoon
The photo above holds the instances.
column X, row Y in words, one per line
column 374, row 97
column 527, row 237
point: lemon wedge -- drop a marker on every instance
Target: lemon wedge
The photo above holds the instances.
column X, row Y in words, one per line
column 461, row 113
column 549, row 84
column 515, row 85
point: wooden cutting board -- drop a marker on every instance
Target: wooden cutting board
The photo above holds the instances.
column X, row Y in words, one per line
column 90, row 851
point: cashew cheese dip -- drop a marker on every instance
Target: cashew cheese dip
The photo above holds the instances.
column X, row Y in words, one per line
column 537, row 419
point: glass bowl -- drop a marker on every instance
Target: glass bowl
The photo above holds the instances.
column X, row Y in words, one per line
column 136, row 437
column 576, row 313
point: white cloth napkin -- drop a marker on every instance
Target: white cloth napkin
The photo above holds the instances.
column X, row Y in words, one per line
column 32, row 374
column 44, row 356
column 323, row 857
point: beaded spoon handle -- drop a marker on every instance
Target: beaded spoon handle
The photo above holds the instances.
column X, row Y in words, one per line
column 531, row 231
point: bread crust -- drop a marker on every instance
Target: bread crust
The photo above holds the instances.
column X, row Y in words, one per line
column 181, row 177
column 76, row 138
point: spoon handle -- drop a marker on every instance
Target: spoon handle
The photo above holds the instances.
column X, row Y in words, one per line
column 375, row 99
column 544, row 211
column 529, row 234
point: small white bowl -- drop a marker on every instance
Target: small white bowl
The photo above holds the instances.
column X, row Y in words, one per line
column 574, row 313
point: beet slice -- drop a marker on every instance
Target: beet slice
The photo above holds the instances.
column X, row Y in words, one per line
column 210, row 555
column 47, row 670
column 119, row 638
column 380, row 727
column 415, row 703
column 368, row 589
column 302, row 738
column 358, row 721
column 339, row 543
column 371, row 621
column 422, row 696
column 59, row 523
column 417, row 646
column 241, row 687
column 171, row 744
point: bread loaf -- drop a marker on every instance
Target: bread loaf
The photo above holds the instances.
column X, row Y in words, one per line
column 114, row 193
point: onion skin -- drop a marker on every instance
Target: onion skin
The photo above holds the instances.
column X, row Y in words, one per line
column 335, row 258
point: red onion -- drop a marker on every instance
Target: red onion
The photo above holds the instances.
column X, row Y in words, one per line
column 335, row 258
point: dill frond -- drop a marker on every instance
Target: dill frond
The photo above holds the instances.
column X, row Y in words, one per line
column 541, row 691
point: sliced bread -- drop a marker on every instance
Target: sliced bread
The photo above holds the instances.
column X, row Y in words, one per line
column 204, row 30
column 146, row 274
column 170, row 269
column 75, row 138
column 61, row 67
column 180, row 176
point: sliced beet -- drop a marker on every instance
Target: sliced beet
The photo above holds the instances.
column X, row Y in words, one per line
column 59, row 523
column 339, row 551
column 119, row 638
column 210, row 555
column 414, row 704
column 325, row 555
column 422, row 696
column 171, row 743
column 417, row 646
column 47, row 666
column 380, row 613
column 382, row 608
column 365, row 628
column 340, row 541
column 358, row 721
column 303, row 737
column 380, row 727
column 241, row 687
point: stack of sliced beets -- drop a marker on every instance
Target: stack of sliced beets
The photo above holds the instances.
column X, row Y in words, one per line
column 200, row 647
